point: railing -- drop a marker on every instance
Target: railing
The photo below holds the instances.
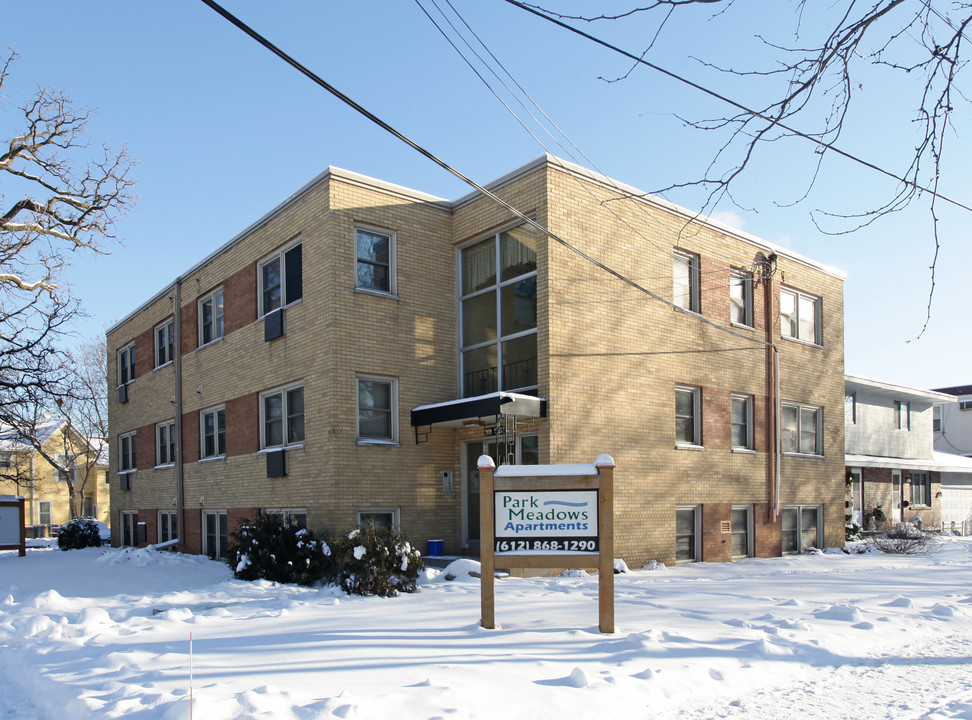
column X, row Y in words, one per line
column 522, row 373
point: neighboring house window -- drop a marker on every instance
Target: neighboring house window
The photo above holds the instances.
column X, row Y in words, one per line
column 742, row 531
column 686, row 281
column 212, row 430
column 741, row 298
column 66, row 462
column 89, row 508
column 211, row 317
column 281, row 279
column 127, row 461
column 374, row 260
column 165, row 443
column 164, row 343
column 126, row 364
column 920, row 488
column 687, row 524
column 902, row 415
column 801, row 426
column 377, row 409
column 687, row 411
column 290, row 517
column 387, row 517
column 127, row 522
column 742, row 422
column 850, row 408
column 282, row 416
column 168, row 527
column 936, row 418
column 6, row 460
column 498, row 324
column 965, row 405
column 800, row 316
column 801, row 528
column 215, row 524
column 44, row 512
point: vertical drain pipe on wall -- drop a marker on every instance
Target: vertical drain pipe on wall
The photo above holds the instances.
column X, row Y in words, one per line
column 774, row 426
column 177, row 400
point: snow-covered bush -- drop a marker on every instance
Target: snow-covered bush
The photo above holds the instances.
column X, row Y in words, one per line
column 268, row 548
column 377, row 560
column 905, row 539
column 79, row 533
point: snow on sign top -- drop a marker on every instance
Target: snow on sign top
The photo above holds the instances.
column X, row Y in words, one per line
column 551, row 470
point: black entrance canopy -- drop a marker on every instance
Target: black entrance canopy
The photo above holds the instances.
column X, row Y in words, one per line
column 481, row 406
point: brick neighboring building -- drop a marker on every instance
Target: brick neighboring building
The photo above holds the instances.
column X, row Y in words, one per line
column 310, row 343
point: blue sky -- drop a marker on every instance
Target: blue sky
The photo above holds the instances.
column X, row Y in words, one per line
column 224, row 131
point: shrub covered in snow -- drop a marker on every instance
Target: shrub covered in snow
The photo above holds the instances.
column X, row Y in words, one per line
column 377, row 560
column 905, row 539
column 79, row 533
column 270, row 548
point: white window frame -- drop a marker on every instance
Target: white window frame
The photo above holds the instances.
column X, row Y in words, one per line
column 6, row 460
column 691, row 261
column 71, row 462
column 798, row 296
column 392, row 438
column 747, row 404
column 902, row 415
column 937, row 417
column 218, row 317
column 748, row 530
column 392, row 238
column 127, row 352
column 281, row 255
column 127, row 460
column 396, row 515
column 818, row 450
column 128, row 530
column 283, row 391
column 214, row 411
column 696, row 440
column 222, row 541
column 164, row 447
column 40, row 512
column 741, row 280
column 168, row 519
column 164, row 352
column 850, row 408
column 799, row 526
column 696, row 537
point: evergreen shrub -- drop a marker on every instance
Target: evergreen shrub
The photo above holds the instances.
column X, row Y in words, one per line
column 79, row 533
column 378, row 560
column 270, row 548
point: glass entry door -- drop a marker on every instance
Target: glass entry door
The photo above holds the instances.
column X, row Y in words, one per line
column 527, row 453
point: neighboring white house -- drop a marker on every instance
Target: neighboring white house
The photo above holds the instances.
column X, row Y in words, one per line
column 953, row 421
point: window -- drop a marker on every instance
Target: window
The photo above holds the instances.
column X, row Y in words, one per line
column 281, row 279
column 687, row 523
column 902, row 415
column 6, row 460
column 936, row 419
column 380, row 518
column 498, row 324
column 164, row 343
column 126, row 364
column 127, row 461
column 850, row 408
column 742, row 422
column 43, row 512
column 374, row 260
column 128, row 522
column 168, row 527
column 687, row 425
column 211, row 317
column 741, row 298
column 920, row 488
column 212, row 431
column 742, row 531
column 965, row 405
column 801, row 528
column 800, row 316
column 802, row 429
column 686, row 281
column 70, row 463
column 89, row 508
column 377, row 409
column 294, row 517
column 282, row 413
column 165, row 443
column 215, row 533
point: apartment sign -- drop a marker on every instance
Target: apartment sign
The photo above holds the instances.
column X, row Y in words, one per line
column 550, row 522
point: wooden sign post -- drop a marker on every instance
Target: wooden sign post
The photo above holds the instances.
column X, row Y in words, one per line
column 548, row 516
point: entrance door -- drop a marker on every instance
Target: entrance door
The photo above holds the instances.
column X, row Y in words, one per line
column 857, row 496
column 897, row 514
column 527, row 453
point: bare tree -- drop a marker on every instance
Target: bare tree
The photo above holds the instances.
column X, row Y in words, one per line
column 58, row 195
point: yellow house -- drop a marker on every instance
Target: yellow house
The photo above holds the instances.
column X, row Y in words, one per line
column 25, row 471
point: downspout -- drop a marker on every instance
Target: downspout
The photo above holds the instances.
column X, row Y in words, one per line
column 774, row 426
column 177, row 367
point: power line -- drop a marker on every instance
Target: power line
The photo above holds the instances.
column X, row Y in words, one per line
column 739, row 106
column 444, row 165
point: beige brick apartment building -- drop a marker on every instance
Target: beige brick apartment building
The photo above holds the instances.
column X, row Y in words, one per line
column 340, row 361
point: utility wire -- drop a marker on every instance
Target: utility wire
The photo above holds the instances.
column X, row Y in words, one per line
column 739, row 106
column 232, row 19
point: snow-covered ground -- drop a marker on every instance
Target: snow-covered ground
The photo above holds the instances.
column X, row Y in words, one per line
column 106, row 633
